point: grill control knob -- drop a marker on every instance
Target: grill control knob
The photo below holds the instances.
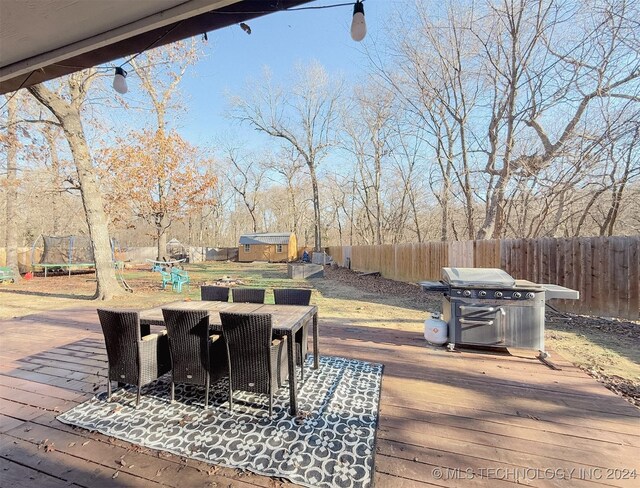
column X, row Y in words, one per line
column 517, row 294
column 498, row 294
column 482, row 293
column 530, row 295
column 466, row 293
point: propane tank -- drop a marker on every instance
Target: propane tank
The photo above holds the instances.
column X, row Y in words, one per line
column 436, row 330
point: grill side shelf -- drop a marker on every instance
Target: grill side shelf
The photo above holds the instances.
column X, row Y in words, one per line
column 557, row 291
column 437, row 286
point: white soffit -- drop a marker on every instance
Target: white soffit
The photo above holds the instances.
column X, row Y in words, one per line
column 37, row 33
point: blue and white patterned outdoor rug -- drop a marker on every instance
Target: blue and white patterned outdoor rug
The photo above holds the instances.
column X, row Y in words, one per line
column 331, row 443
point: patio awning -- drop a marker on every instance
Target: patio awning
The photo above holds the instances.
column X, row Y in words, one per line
column 45, row 39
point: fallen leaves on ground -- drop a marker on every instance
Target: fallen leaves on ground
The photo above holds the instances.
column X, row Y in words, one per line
column 46, row 445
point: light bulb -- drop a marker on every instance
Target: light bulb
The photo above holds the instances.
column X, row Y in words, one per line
column 358, row 26
column 120, row 81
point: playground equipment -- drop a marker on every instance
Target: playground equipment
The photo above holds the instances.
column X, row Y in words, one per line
column 67, row 252
column 161, row 265
column 177, row 251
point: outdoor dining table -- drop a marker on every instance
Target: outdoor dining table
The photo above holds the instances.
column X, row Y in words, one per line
column 286, row 321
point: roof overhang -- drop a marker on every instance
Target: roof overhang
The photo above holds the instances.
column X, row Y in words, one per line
column 44, row 39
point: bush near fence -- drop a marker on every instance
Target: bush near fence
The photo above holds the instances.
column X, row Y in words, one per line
column 605, row 270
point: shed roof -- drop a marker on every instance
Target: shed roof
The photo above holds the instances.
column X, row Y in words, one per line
column 266, row 238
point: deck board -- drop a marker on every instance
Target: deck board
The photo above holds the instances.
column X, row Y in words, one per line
column 15, row 475
column 457, row 411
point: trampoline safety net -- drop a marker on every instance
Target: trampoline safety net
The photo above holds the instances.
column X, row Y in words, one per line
column 67, row 250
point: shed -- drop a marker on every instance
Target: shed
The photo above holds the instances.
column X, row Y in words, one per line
column 268, row 246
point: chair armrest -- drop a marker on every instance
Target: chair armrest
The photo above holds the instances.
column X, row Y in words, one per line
column 278, row 340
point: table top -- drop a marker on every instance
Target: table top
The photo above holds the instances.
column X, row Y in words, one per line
column 284, row 317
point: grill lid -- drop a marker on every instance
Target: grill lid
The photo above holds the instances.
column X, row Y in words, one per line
column 478, row 277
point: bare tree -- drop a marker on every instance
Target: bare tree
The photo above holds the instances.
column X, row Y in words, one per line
column 433, row 79
column 213, row 219
column 11, row 144
column 288, row 167
column 303, row 116
column 246, row 180
column 338, row 194
column 68, row 112
column 408, row 159
column 370, row 143
column 508, row 89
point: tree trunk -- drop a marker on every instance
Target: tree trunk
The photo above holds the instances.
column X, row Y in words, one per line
column 488, row 227
column 55, row 169
column 161, row 239
column 619, row 187
column 108, row 285
column 69, row 118
column 162, row 245
column 293, row 209
column 446, row 185
column 254, row 220
column 378, row 177
column 467, row 188
column 316, row 208
column 12, row 188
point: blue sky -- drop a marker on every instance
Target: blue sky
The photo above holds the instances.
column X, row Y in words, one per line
column 279, row 41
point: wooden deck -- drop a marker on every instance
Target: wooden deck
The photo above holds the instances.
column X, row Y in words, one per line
column 446, row 419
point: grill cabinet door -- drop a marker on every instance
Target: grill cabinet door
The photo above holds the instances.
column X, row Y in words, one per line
column 479, row 324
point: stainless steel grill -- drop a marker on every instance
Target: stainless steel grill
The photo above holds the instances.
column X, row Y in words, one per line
column 487, row 307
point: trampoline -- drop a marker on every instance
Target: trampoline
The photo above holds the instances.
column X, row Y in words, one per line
column 67, row 252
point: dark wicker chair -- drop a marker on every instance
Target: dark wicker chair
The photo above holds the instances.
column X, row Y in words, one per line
column 135, row 356
column 257, row 363
column 214, row 293
column 247, row 295
column 294, row 296
column 197, row 357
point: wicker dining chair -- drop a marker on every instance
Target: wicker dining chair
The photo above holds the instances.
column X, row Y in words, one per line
column 295, row 296
column 135, row 356
column 197, row 357
column 214, row 293
column 257, row 363
column 247, row 295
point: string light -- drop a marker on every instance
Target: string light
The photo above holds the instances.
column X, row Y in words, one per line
column 358, row 25
column 120, row 77
column 120, row 81
column 358, row 32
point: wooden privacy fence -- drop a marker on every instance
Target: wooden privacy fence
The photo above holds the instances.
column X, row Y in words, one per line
column 606, row 270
